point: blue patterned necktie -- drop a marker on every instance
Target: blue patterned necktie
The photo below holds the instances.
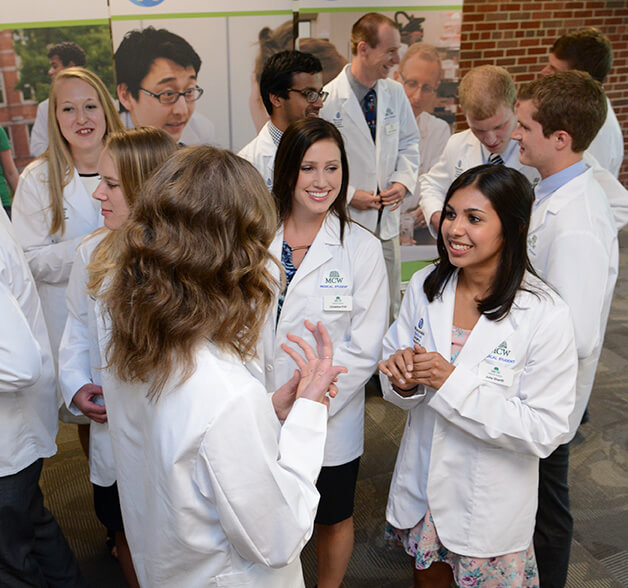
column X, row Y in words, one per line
column 370, row 111
column 495, row 159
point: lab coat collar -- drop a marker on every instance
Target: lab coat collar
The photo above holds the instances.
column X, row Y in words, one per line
column 351, row 107
column 83, row 204
column 559, row 199
column 320, row 251
column 486, row 335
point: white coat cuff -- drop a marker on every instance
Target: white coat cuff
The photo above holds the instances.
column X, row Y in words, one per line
column 403, row 402
column 455, row 391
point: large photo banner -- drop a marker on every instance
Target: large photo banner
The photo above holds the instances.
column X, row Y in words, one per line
column 227, row 37
column 430, row 35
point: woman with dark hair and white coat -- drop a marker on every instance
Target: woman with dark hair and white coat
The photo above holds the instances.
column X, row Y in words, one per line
column 335, row 274
column 483, row 357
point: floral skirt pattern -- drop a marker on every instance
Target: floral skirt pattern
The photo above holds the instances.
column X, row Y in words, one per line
column 513, row 570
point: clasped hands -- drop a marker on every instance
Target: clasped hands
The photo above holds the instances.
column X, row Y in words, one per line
column 411, row 367
column 393, row 197
column 315, row 377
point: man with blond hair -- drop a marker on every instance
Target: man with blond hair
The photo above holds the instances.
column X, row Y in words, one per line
column 487, row 98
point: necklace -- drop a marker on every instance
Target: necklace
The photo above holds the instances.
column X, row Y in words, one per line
column 298, row 247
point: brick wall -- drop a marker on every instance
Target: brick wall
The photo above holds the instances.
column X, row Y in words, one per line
column 518, row 36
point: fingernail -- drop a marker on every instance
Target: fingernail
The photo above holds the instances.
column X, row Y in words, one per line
column 402, row 380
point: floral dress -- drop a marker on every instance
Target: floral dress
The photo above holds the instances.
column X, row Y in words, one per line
column 512, row 570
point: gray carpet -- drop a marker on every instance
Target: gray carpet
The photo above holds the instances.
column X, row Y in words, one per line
column 599, row 484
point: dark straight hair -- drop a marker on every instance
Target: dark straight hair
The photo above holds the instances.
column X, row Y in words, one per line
column 295, row 142
column 511, row 195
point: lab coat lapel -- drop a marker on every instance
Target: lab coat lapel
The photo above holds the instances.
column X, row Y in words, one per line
column 81, row 204
column 485, row 337
column 441, row 314
column 319, row 252
column 353, row 110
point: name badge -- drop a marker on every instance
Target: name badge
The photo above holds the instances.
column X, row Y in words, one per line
column 496, row 374
column 338, row 303
column 391, row 128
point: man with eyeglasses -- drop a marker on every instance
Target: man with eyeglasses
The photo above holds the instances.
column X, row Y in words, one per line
column 420, row 73
column 291, row 87
column 381, row 137
column 156, row 73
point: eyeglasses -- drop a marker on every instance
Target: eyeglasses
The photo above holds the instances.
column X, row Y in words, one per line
column 170, row 96
column 414, row 85
column 311, row 96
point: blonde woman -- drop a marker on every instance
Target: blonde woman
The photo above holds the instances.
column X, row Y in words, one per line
column 213, row 491
column 124, row 165
column 53, row 209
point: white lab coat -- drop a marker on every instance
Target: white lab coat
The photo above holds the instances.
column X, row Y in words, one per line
column 462, row 152
column 50, row 256
column 20, row 360
column 261, row 153
column 572, row 244
column 393, row 158
column 470, row 450
column 616, row 194
column 213, row 491
column 355, row 271
column 28, row 417
column 80, row 362
column 435, row 133
column 608, row 145
column 39, row 132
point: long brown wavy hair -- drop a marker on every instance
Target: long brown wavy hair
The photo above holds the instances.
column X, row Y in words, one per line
column 58, row 155
column 193, row 265
column 136, row 153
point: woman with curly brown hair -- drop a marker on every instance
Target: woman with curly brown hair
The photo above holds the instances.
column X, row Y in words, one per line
column 213, row 491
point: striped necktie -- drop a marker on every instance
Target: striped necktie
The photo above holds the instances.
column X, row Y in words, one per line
column 495, row 159
column 370, row 111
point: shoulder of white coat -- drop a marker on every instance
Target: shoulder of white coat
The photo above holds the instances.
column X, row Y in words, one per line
column 90, row 242
column 535, row 293
column 36, row 169
column 418, row 278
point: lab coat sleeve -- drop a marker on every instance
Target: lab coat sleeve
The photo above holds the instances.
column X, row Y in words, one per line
column 407, row 164
column 360, row 352
column 399, row 336
column 264, row 489
column 20, row 356
column 74, row 361
column 434, row 185
column 39, row 133
column 50, row 262
column 533, row 419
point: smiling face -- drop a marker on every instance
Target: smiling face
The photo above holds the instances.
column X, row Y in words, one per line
column 379, row 60
column 113, row 204
column 295, row 106
column 494, row 132
column 319, row 179
column 472, row 231
column 80, row 115
column 420, row 79
column 146, row 110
